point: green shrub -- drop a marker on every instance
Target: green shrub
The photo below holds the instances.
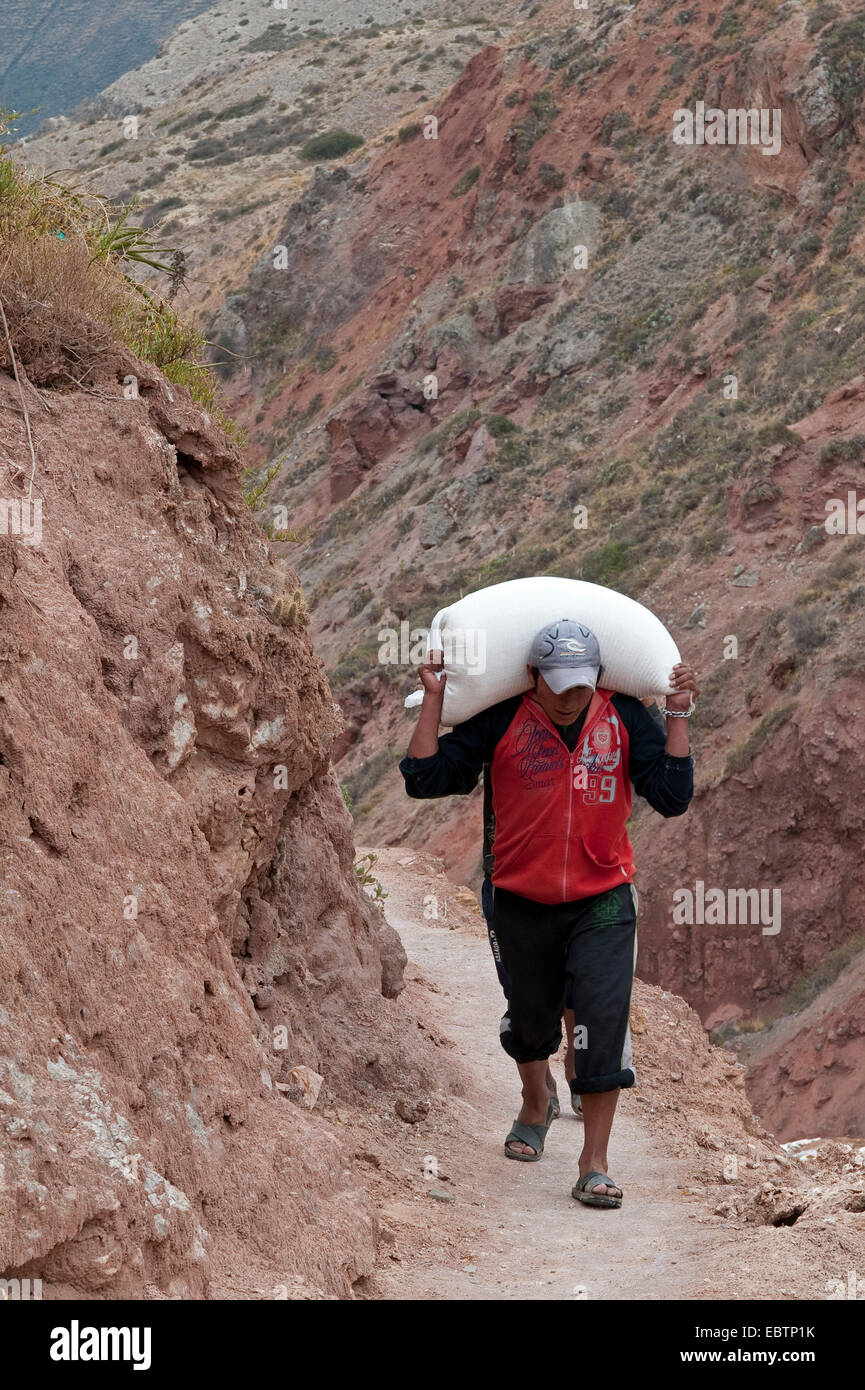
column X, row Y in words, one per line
column 360, row 598
column 365, row 877
column 358, row 661
column 514, row 564
column 847, row 225
column 631, row 335
column 256, row 490
column 360, row 783
column 707, row 542
column 195, row 118
column 822, row 15
column 331, row 144
column 551, row 177
column 159, row 209
column 809, row 628
column 851, row 661
column 741, row 757
column 468, row 180
column 443, row 435
column 842, row 451
column 843, row 54
column 515, row 451
column 714, row 704
column 776, row 433
column 500, row 425
column 274, row 40
column 242, row 108
column 242, row 210
column 325, row 358
column 608, row 563
column 813, row 982
column 542, row 112
column 207, row 148
column 730, row 26
column 617, row 130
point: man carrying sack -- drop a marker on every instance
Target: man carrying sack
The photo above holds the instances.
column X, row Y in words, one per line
column 562, row 759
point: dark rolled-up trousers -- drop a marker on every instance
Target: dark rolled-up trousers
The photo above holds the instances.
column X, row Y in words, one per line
column 578, row 955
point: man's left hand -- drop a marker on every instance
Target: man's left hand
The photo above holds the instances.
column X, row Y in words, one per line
column 683, row 679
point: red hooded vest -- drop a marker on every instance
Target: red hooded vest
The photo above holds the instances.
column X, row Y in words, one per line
column 560, row 817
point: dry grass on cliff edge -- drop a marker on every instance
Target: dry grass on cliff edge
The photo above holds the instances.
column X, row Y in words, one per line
column 73, row 253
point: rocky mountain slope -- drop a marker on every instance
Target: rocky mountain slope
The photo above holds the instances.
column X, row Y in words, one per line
column 806, row 1068
column 441, row 382
column 209, row 135
column 182, row 926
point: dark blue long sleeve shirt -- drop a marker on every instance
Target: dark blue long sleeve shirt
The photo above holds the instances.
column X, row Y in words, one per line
column 666, row 782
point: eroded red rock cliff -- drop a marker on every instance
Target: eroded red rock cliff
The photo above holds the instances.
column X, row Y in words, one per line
column 181, row 921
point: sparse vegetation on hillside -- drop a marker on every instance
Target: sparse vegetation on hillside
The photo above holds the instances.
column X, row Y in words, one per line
column 842, row 451
column 68, row 249
column 740, row 758
column 537, row 121
column 277, row 39
column 466, row 182
column 842, row 51
column 812, row 982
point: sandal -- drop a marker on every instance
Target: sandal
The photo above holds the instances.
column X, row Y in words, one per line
column 554, row 1102
column 533, row 1135
column 595, row 1199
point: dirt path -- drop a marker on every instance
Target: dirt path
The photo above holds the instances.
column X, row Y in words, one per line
column 512, row 1229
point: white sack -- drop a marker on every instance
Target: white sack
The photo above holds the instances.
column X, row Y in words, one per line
column 486, row 638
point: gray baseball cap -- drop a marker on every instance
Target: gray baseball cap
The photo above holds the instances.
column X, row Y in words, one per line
column 566, row 654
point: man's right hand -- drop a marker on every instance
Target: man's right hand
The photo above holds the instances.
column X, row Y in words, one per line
column 433, row 685
column 425, row 741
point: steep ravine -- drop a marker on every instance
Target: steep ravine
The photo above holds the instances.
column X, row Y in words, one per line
column 453, row 261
